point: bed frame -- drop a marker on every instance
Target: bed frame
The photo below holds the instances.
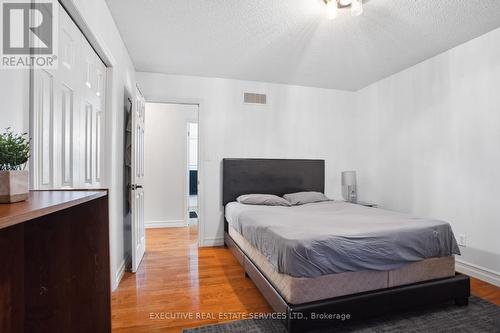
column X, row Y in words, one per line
column 275, row 176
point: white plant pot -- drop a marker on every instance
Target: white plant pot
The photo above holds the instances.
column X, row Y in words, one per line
column 14, row 186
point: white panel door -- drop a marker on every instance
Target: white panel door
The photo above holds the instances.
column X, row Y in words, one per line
column 55, row 100
column 43, row 129
column 67, row 114
column 138, row 229
column 92, row 124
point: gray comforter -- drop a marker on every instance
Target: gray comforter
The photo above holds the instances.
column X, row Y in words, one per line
column 334, row 237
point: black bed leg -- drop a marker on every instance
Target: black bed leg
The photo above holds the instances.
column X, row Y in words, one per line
column 291, row 322
column 289, row 325
column 462, row 301
column 246, row 275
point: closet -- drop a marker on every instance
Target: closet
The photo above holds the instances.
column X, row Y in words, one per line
column 68, row 114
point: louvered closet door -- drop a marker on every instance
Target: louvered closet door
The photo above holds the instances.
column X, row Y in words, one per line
column 67, row 114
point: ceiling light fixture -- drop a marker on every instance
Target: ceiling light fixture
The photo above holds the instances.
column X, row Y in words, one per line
column 345, row 2
column 332, row 10
column 332, row 7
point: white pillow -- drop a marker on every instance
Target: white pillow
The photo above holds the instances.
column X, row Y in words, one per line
column 262, row 199
column 301, row 198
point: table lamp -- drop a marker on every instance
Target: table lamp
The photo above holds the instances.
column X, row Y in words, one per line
column 349, row 186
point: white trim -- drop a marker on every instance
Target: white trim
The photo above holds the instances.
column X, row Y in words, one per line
column 213, row 241
column 478, row 272
column 165, row 224
column 186, row 170
column 119, row 273
column 201, row 175
column 94, row 40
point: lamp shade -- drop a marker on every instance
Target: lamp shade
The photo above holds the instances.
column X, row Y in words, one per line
column 348, row 178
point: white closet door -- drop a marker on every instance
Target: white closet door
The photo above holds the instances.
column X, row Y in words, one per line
column 137, row 181
column 42, row 160
column 67, row 114
column 92, row 113
column 67, row 97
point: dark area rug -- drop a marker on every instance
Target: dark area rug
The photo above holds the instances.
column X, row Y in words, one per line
column 479, row 316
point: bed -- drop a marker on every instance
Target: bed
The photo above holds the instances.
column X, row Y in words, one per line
column 299, row 275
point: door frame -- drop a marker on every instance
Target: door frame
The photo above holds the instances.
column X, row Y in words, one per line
column 97, row 44
column 187, row 189
column 201, row 162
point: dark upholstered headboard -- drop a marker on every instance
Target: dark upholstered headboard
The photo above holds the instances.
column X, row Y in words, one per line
column 270, row 176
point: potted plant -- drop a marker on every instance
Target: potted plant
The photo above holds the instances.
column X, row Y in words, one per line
column 14, row 154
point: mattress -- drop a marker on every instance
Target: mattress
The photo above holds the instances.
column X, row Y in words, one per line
column 336, row 237
column 298, row 290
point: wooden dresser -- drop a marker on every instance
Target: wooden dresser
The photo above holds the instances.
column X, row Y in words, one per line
column 54, row 263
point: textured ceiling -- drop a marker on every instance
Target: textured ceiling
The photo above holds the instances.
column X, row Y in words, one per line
column 290, row 41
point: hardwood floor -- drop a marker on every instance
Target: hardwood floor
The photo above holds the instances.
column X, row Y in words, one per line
column 177, row 280
column 486, row 291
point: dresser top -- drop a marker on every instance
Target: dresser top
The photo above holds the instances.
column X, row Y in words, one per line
column 42, row 203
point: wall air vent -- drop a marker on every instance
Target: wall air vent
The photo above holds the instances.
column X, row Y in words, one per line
column 251, row 98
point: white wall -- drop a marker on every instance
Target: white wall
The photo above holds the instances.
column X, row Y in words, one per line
column 299, row 122
column 166, row 163
column 429, row 144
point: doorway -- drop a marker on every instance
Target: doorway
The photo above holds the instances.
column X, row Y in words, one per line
column 171, row 166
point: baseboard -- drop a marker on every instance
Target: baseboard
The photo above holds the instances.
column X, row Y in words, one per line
column 165, row 224
column 119, row 273
column 213, row 241
column 478, row 272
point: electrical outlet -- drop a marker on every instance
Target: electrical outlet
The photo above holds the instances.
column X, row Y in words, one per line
column 462, row 240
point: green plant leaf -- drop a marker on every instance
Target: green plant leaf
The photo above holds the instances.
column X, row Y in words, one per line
column 14, row 150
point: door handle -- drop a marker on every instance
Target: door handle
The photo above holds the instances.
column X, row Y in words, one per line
column 135, row 187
